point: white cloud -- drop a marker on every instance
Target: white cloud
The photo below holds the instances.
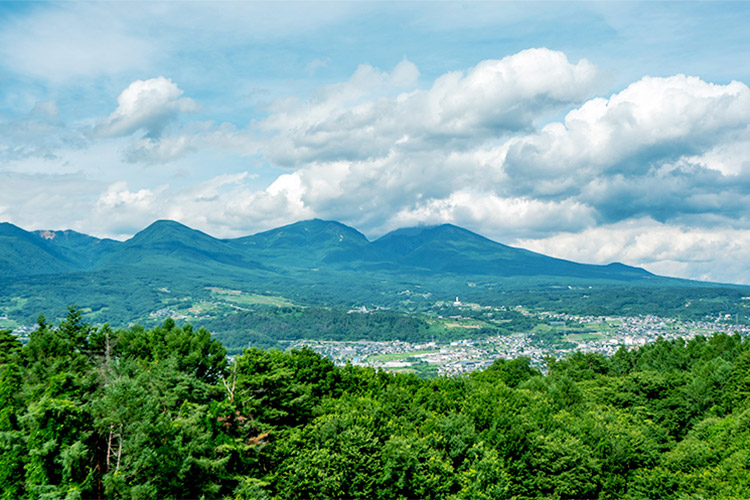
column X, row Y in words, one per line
column 118, row 196
column 364, row 156
column 223, row 206
column 716, row 254
column 148, row 105
column 508, row 93
column 404, row 75
column 729, row 156
column 374, row 113
column 120, row 212
column 154, row 107
column 652, row 121
column 497, row 217
column 373, row 149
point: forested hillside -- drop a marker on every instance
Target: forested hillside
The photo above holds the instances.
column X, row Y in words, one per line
column 99, row 413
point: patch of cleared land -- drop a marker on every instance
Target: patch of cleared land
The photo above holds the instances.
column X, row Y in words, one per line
column 395, row 356
column 246, row 299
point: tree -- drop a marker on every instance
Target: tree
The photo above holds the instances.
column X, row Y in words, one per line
column 12, row 446
column 10, row 346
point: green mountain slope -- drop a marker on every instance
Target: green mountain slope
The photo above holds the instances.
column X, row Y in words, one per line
column 167, row 243
column 323, row 245
column 23, row 253
column 310, row 243
column 451, row 249
column 80, row 248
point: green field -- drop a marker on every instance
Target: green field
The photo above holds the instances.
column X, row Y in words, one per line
column 455, row 325
column 220, row 302
column 544, row 328
column 249, row 299
column 396, row 356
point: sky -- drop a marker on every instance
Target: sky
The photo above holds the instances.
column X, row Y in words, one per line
column 593, row 131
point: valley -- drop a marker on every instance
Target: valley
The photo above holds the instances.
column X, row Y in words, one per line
column 599, row 335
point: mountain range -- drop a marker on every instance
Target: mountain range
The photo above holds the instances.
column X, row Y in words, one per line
column 308, row 262
column 310, row 244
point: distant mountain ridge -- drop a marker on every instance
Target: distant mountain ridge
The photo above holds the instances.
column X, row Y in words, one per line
column 170, row 267
column 315, row 243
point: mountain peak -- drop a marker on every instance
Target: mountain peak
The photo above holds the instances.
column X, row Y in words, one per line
column 165, row 229
column 167, row 223
column 9, row 229
column 408, row 240
column 431, row 230
column 318, row 225
column 308, row 234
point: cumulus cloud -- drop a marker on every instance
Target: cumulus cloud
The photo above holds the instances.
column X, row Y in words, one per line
column 374, row 149
column 225, row 206
column 633, row 134
column 118, row 196
column 465, row 151
column 154, row 108
column 146, row 105
column 120, row 212
column 499, row 217
column 728, row 157
column 375, row 113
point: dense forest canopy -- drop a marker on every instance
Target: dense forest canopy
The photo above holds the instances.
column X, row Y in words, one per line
column 92, row 412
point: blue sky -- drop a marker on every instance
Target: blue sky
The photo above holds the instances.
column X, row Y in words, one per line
column 597, row 132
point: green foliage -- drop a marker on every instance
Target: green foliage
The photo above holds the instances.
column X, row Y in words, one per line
column 194, row 352
column 12, row 442
column 264, row 328
column 9, row 346
column 336, row 456
column 159, row 413
column 284, row 388
column 512, row 372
